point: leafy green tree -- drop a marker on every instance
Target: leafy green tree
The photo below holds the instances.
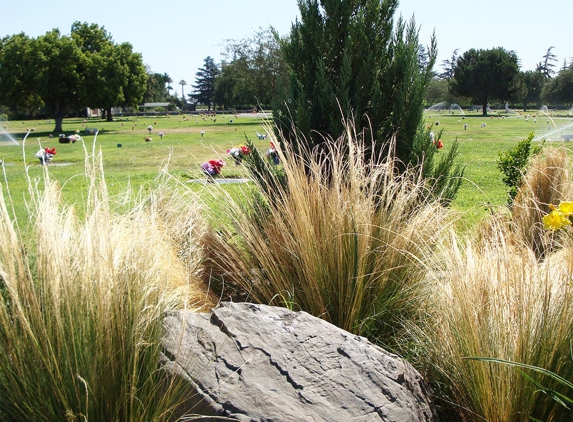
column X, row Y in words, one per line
column 156, row 90
column 204, row 87
column 56, row 66
column 534, row 81
column 253, row 64
column 486, row 75
column 135, row 76
column 439, row 90
column 114, row 75
column 559, row 90
column 16, row 75
column 70, row 72
column 348, row 60
column 45, row 70
column 232, row 85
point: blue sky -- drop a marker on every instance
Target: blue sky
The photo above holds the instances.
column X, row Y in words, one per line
column 174, row 36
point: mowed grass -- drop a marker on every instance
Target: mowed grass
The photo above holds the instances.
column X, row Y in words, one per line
column 136, row 162
column 184, row 148
column 483, row 190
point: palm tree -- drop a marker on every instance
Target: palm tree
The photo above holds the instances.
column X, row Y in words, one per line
column 182, row 83
column 168, row 81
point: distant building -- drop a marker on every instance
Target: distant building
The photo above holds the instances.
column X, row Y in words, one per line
column 154, row 105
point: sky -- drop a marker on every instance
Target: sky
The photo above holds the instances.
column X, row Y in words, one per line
column 175, row 36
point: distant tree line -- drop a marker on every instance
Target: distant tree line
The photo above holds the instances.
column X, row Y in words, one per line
column 61, row 74
column 488, row 76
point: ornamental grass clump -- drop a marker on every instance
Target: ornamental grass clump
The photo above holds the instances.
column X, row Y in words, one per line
column 333, row 235
column 81, row 308
column 548, row 181
column 495, row 299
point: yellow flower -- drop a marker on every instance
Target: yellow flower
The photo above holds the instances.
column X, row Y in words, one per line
column 566, row 208
column 555, row 220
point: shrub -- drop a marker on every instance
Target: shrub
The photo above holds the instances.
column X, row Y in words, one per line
column 547, row 181
column 343, row 242
column 81, row 309
column 513, row 164
column 493, row 298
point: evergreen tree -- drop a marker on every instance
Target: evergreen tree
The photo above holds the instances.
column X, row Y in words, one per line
column 204, row 87
column 547, row 64
column 347, row 60
column 449, row 65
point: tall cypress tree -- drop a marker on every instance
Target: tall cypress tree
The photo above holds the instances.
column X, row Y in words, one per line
column 347, row 59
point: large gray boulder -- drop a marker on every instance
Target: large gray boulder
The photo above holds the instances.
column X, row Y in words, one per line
column 263, row 363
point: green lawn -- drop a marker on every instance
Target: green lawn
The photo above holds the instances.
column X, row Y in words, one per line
column 136, row 161
column 480, row 148
column 139, row 162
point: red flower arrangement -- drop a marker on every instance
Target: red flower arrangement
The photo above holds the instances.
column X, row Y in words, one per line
column 45, row 155
column 212, row 167
column 239, row 152
column 272, row 154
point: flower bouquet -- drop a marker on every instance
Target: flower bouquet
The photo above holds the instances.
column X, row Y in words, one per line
column 238, row 153
column 272, row 154
column 45, row 155
column 212, row 168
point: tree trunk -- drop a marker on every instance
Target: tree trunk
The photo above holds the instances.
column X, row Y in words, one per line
column 484, row 107
column 59, row 118
column 109, row 116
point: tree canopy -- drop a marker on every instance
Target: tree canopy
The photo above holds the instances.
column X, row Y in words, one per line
column 156, row 87
column 113, row 74
column 533, row 81
column 486, row 75
column 448, row 66
column 85, row 69
column 560, row 88
column 16, row 73
column 250, row 71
